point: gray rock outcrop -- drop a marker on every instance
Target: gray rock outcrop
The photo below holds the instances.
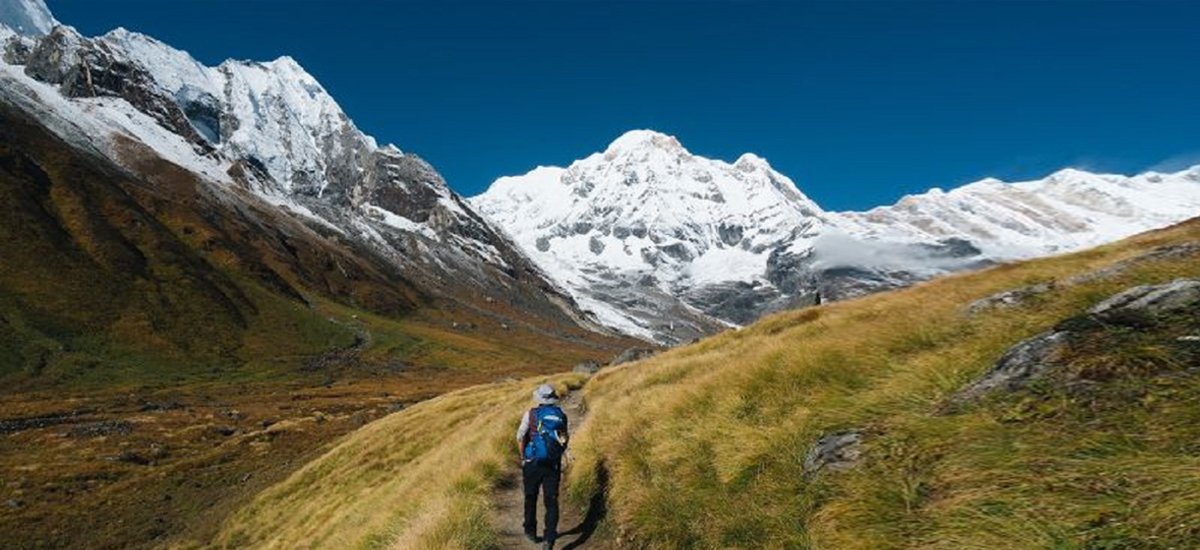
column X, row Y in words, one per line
column 836, row 451
column 1020, row 364
column 1152, row 300
column 1036, row 356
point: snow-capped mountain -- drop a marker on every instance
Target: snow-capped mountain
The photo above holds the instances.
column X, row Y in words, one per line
column 646, row 230
column 634, row 228
column 267, row 133
column 652, row 240
column 1068, row 210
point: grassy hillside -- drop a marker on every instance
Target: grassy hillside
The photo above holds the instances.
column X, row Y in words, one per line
column 1103, row 457
column 704, row 446
column 417, row 479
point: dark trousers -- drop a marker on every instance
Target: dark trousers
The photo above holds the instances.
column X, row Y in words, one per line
column 545, row 477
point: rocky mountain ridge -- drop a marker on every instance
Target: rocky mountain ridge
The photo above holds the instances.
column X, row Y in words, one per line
column 646, row 230
column 270, row 133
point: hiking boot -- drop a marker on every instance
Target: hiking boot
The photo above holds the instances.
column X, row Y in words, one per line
column 533, row 538
column 549, row 545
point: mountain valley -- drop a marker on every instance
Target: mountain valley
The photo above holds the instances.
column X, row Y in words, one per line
column 231, row 319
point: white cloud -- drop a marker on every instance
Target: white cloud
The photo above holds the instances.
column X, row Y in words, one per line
column 1177, row 163
column 836, row 249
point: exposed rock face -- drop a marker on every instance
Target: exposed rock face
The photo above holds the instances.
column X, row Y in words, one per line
column 1020, row 364
column 836, row 451
column 1152, row 300
column 1039, row 355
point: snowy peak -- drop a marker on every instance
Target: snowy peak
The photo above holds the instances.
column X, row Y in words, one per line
column 27, row 17
column 644, row 141
column 175, row 70
column 284, row 120
column 647, row 183
column 647, row 220
column 750, row 162
column 274, row 116
column 652, row 237
column 1067, row 210
column 273, row 119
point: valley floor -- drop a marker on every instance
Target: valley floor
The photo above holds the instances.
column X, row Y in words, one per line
column 166, row 462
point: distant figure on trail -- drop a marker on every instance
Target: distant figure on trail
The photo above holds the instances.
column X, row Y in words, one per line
column 541, row 442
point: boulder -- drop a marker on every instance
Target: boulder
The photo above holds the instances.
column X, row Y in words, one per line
column 1180, row 295
column 1036, row 356
column 1023, row 362
column 836, row 451
column 1008, row 298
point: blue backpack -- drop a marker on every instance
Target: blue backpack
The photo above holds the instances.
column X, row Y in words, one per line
column 547, row 435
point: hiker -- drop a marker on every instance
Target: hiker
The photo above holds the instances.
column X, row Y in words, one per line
column 541, row 441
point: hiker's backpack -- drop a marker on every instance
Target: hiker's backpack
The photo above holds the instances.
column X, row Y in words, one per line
column 547, row 435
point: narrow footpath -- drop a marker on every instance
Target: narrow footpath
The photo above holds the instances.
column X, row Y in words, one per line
column 575, row 526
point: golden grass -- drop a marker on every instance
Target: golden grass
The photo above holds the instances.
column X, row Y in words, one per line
column 419, row 478
column 704, row 445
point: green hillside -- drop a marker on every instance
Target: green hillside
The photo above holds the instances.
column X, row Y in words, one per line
column 706, row 446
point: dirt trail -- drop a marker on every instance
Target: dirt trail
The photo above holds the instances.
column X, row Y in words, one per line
column 575, row 526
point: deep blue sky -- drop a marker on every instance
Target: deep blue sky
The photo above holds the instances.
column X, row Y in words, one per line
column 859, row 102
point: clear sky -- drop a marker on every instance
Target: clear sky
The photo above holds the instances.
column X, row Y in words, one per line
column 859, row 102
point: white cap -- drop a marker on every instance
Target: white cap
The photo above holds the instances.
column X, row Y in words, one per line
column 544, row 395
